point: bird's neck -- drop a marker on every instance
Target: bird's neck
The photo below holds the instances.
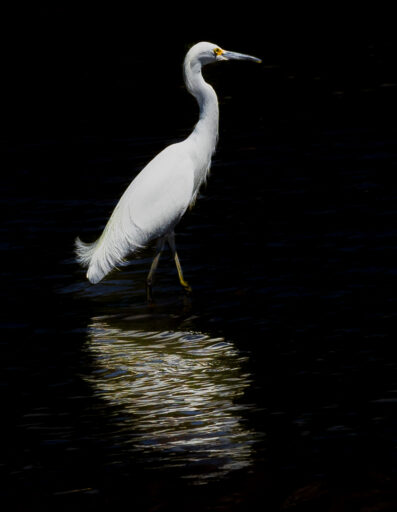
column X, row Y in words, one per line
column 207, row 127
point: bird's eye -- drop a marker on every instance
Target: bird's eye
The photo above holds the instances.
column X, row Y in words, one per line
column 218, row 51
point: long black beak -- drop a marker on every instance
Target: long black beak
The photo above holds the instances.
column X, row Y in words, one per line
column 239, row 56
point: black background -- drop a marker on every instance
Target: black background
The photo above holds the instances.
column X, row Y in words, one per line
column 110, row 65
column 293, row 252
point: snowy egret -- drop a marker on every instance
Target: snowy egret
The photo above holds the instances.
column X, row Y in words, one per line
column 158, row 197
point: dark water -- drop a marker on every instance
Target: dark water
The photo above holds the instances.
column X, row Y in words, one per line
column 275, row 382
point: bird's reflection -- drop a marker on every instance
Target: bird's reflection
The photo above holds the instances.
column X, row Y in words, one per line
column 182, row 392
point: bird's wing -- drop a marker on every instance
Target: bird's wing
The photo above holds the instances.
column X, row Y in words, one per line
column 150, row 207
column 159, row 196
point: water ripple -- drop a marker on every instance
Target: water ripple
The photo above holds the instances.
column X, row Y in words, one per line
column 182, row 392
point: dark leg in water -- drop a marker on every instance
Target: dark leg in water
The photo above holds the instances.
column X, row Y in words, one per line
column 155, row 262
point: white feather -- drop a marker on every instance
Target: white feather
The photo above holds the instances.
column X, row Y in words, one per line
column 150, row 207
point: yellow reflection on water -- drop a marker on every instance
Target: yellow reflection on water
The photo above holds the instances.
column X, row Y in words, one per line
column 181, row 391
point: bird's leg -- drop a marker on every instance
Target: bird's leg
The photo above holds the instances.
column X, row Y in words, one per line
column 171, row 241
column 155, row 262
column 184, row 283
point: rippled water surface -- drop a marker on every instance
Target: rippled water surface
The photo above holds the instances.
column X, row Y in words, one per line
column 181, row 391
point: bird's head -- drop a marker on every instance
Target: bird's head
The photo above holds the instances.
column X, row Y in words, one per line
column 206, row 53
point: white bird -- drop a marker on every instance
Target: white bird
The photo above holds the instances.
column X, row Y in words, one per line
column 158, row 197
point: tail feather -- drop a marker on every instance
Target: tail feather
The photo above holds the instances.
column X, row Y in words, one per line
column 84, row 251
column 108, row 252
column 98, row 259
column 85, row 254
column 120, row 238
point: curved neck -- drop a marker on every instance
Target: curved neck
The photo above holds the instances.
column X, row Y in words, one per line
column 207, row 126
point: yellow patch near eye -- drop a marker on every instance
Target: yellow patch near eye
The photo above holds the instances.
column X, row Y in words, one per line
column 218, row 51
